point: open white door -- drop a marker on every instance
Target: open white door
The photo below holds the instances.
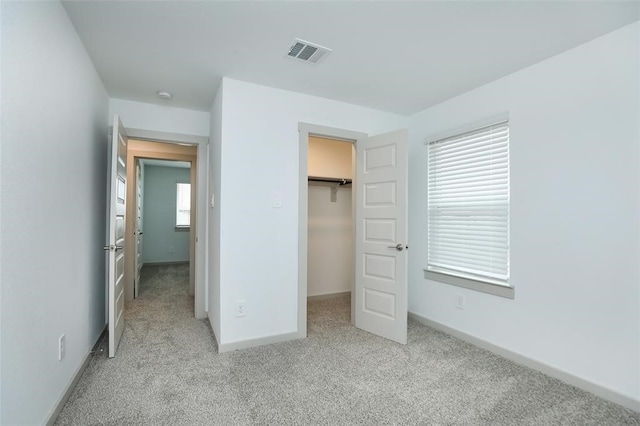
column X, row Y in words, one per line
column 381, row 236
column 117, row 189
column 138, row 232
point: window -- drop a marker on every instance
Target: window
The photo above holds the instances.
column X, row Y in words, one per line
column 183, row 205
column 468, row 209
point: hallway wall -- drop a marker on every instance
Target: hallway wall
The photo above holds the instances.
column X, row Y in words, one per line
column 160, row 118
column 162, row 242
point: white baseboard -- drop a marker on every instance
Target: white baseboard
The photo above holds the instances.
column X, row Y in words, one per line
column 328, row 296
column 251, row 343
column 53, row 415
column 177, row 262
column 594, row 388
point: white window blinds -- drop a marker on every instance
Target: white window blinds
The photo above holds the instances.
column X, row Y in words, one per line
column 183, row 204
column 468, row 205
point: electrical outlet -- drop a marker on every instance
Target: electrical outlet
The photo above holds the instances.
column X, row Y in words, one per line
column 172, row 249
column 459, row 301
column 61, row 347
column 277, row 200
column 240, row 308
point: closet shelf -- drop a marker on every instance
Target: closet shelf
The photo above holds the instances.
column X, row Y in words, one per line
column 334, row 183
column 339, row 181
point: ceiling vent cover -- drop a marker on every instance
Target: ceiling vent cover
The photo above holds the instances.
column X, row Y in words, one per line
column 307, row 52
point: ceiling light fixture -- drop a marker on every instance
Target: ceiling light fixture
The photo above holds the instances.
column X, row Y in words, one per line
column 164, row 94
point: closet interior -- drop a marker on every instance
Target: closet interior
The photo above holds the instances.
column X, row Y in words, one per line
column 330, row 262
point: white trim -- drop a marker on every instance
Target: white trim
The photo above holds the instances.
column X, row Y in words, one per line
column 177, row 262
column 468, row 127
column 55, row 412
column 330, row 132
column 586, row 385
column 306, row 129
column 71, row 386
column 153, row 135
column 252, row 343
column 508, row 292
column 202, row 142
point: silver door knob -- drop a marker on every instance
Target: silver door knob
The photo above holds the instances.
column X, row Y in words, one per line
column 398, row 247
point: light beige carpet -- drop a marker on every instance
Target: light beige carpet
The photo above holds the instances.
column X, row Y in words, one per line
column 168, row 372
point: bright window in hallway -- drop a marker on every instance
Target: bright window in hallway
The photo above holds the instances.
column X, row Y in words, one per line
column 183, row 205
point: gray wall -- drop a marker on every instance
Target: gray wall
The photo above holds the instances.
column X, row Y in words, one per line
column 53, row 175
column 575, row 204
column 159, row 216
column 259, row 122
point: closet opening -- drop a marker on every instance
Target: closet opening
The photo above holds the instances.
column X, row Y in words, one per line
column 378, row 283
column 330, row 230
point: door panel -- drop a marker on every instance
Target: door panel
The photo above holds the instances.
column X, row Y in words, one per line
column 380, row 194
column 137, row 266
column 379, row 158
column 380, row 267
column 381, row 228
column 380, row 303
column 116, row 232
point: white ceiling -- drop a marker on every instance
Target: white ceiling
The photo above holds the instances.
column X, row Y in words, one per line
column 395, row 56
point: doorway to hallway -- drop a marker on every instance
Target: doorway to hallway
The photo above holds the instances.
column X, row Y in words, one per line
column 167, row 239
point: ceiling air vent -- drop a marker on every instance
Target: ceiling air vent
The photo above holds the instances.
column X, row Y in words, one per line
column 307, row 52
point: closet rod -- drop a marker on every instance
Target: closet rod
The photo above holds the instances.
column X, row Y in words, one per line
column 339, row 181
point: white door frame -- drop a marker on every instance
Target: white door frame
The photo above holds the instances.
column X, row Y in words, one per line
column 305, row 130
column 136, row 223
column 202, row 143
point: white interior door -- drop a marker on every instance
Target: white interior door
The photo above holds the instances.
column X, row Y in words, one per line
column 138, row 231
column 116, row 230
column 381, row 236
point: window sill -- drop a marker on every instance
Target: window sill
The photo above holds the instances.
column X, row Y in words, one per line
column 483, row 287
column 182, row 228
